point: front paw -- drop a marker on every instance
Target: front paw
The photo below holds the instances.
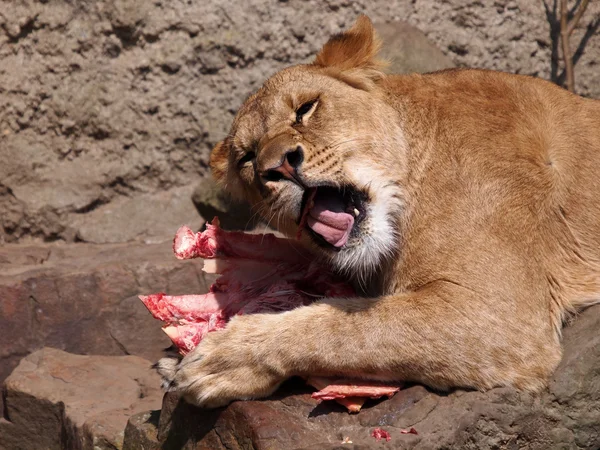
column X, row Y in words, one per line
column 230, row 364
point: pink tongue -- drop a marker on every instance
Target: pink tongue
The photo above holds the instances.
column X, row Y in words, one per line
column 327, row 218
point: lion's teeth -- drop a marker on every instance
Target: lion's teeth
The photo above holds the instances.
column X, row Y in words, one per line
column 356, row 212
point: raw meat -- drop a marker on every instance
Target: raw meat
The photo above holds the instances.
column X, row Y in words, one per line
column 351, row 393
column 260, row 273
column 344, row 388
column 216, row 242
column 380, row 434
column 352, row 404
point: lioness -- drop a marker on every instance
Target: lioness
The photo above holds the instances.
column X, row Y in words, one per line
column 464, row 203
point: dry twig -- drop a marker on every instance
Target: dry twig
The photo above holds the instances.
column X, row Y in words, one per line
column 566, row 29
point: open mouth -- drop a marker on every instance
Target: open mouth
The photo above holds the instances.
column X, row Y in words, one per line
column 332, row 214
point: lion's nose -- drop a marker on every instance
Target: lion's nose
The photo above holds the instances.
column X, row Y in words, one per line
column 287, row 168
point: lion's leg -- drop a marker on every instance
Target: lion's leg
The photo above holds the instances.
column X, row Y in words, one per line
column 442, row 335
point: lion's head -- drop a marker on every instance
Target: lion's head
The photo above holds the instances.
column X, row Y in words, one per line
column 319, row 147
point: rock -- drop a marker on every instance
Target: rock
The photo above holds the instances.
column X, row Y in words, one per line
column 514, row 36
column 564, row 416
column 54, row 400
column 211, row 201
column 141, row 431
column 146, row 218
column 289, row 420
column 408, row 49
column 82, row 298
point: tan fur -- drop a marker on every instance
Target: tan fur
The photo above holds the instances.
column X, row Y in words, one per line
column 483, row 230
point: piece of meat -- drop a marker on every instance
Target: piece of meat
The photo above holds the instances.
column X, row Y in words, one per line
column 344, row 388
column 170, row 308
column 190, row 317
column 409, row 431
column 187, row 335
column 352, row 404
column 379, row 434
column 258, row 274
column 216, row 242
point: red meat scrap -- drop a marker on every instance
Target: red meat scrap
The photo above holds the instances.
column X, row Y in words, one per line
column 215, row 242
column 343, row 388
column 351, row 393
column 259, row 273
column 379, row 434
column 352, row 403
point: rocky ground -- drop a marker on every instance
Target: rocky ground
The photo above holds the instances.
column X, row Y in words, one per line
column 82, row 298
column 108, row 110
column 567, row 415
column 57, row 400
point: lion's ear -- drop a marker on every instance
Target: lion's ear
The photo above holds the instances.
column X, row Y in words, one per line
column 356, row 48
column 219, row 160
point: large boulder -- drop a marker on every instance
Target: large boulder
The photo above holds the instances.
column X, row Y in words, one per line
column 566, row 415
column 82, row 298
column 56, row 400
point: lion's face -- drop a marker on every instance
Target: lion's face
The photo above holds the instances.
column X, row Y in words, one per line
column 316, row 150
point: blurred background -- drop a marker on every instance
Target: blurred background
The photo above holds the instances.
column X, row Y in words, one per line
column 108, row 112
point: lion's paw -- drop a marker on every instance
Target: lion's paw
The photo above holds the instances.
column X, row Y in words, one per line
column 224, row 367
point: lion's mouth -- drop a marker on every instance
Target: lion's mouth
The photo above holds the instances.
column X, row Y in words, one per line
column 332, row 214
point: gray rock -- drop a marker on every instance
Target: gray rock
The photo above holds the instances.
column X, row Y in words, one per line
column 56, row 400
column 141, row 431
column 408, row 50
column 211, row 201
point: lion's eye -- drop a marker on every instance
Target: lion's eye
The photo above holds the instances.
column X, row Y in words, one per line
column 248, row 157
column 305, row 109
